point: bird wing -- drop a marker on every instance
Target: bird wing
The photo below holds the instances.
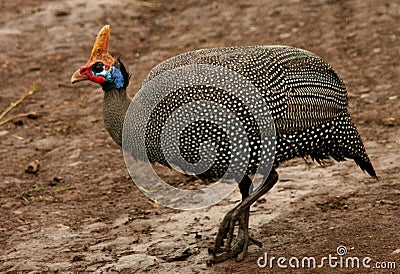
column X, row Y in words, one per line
column 300, row 89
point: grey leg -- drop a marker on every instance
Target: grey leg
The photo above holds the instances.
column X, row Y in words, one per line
column 239, row 213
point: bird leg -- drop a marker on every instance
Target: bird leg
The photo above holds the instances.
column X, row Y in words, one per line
column 239, row 214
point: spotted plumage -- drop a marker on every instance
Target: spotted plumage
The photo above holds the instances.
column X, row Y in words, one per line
column 307, row 100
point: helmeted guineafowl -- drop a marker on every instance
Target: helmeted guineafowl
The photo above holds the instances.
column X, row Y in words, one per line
column 306, row 98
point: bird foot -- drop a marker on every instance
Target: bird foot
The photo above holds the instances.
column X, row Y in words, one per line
column 238, row 251
column 224, row 250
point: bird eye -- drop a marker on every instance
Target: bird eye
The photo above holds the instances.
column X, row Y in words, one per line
column 97, row 67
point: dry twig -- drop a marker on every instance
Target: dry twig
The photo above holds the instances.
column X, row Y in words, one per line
column 20, row 100
column 20, row 115
column 146, row 4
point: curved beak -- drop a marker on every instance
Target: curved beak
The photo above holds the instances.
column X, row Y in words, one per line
column 78, row 77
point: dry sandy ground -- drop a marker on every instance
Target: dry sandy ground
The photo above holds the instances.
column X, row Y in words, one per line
column 82, row 213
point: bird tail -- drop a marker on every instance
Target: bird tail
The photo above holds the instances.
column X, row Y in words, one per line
column 354, row 147
column 366, row 166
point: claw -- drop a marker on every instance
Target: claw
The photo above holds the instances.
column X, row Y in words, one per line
column 221, row 251
column 256, row 242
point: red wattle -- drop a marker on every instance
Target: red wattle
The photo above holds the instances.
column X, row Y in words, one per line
column 97, row 79
column 86, row 70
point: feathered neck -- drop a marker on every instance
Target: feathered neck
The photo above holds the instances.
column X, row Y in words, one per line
column 116, row 102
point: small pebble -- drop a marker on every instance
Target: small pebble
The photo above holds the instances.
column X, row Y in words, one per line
column 60, row 13
column 78, row 258
column 396, row 252
column 33, row 167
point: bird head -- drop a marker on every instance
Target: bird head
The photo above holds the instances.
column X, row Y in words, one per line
column 102, row 68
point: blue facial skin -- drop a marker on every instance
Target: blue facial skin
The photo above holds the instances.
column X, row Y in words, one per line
column 112, row 75
column 117, row 78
